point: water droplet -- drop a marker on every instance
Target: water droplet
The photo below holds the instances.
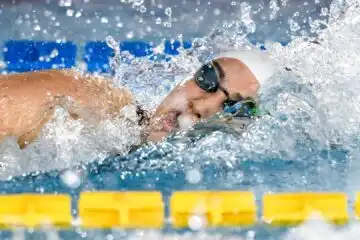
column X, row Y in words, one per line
column 71, row 179
column 168, row 11
column 274, row 7
column 47, row 13
column 54, row 53
column 197, row 222
column 78, row 14
column 158, row 20
column 69, row 12
column 19, row 21
column 120, row 25
column 37, row 28
column 167, row 24
column 284, row 2
column 104, row 20
column 193, row 176
column 65, row 3
column 294, row 26
column 109, row 237
column 324, row 12
column 250, row 235
column 130, row 35
column 217, row 11
column 83, row 66
column 68, row 3
column 233, row 3
column 2, row 64
column 142, row 9
column 137, row 2
column 111, row 42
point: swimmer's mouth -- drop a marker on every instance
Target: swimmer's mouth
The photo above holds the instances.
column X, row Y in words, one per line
column 170, row 122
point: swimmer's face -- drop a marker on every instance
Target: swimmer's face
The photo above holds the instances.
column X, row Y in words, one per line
column 188, row 103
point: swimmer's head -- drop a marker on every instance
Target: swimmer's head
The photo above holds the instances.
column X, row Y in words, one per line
column 230, row 77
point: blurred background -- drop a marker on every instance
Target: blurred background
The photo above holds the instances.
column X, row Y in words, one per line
column 85, row 20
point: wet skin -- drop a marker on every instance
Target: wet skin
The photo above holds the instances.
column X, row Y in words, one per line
column 28, row 100
column 188, row 103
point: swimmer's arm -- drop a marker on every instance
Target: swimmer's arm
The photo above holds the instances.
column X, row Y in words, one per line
column 28, row 100
column 96, row 93
column 82, row 93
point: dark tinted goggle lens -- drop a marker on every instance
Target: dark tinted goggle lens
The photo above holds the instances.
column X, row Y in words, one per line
column 207, row 78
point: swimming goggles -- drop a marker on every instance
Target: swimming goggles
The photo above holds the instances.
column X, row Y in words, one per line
column 208, row 77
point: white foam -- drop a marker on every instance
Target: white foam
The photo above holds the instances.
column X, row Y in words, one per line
column 65, row 142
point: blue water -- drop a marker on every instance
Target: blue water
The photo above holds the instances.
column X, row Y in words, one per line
column 258, row 175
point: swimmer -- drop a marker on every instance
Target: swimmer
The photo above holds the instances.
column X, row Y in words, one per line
column 28, row 100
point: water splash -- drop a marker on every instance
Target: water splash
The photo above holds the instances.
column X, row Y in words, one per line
column 65, row 142
column 313, row 109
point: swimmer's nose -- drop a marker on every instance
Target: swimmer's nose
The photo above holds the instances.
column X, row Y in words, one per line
column 204, row 108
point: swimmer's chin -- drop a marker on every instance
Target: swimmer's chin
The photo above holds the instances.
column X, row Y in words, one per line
column 161, row 132
column 165, row 131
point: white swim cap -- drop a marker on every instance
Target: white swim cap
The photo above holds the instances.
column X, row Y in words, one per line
column 257, row 61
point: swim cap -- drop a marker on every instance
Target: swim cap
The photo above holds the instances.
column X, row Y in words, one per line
column 257, row 61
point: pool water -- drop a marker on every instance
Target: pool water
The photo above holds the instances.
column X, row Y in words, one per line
column 308, row 142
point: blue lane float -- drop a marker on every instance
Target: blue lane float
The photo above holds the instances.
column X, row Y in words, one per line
column 97, row 56
column 26, row 55
column 97, row 53
column 171, row 47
